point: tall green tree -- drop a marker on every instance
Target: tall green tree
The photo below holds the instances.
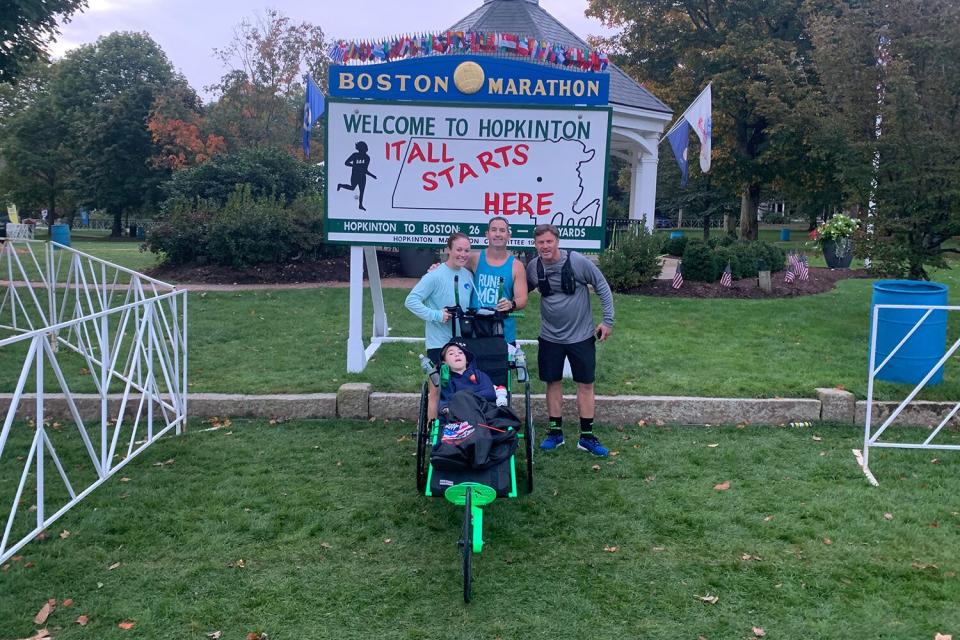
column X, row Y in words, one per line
column 107, row 90
column 26, row 26
column 892, row 80
column 34, row 144
column 261, row 94
column 756, row 54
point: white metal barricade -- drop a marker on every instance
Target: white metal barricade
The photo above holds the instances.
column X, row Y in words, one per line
column 872, row 436
column 81, row 323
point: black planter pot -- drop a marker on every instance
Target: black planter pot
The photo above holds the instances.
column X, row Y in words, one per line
column 833, row 260
column 414, row 261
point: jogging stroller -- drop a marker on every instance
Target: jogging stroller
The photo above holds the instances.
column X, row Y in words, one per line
column 480, row 332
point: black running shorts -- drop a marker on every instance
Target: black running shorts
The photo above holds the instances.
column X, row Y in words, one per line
column 582, row 356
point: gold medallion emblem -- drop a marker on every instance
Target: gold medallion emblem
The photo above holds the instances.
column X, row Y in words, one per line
column 468, row 77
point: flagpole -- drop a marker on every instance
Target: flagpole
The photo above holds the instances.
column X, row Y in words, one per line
column 680, row 119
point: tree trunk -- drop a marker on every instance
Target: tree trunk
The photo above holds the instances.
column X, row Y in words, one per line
column 749, row 203
column 706, row 227
column 117, row 230
column 730, row 224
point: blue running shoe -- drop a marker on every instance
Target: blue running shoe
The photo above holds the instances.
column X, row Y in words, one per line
column 553, row 440
column 592, row 445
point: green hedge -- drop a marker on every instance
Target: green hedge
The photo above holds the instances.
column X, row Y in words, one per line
column 705, row 262
column 632, row 259
column 244, row 231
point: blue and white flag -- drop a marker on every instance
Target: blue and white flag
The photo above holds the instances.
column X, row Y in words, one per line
column 700, row 117
column 313, row 106
column 679, row 140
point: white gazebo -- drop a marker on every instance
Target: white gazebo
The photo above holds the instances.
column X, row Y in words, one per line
column 639, row 118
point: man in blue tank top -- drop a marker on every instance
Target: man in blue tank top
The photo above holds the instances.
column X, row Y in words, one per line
column 500, row 281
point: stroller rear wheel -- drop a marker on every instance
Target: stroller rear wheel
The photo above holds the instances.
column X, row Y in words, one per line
column 423, row 430
column 528, row 436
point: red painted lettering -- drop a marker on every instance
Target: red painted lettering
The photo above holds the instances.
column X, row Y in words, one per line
column 524, row 206
column 520, row 154
column 429, row 181
column 543, row 203
column 416, row 153
column 486, row 161
column 503, row 154
column 446, row 174
column 491, row 203
column 466, row 171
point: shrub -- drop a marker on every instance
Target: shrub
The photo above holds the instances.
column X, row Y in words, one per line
column 267, row 172
column 244, row 231
column 631, row 259
column 726, row 255
column 675, row 246
column 699, row 262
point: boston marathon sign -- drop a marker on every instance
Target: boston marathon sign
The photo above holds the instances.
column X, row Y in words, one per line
column 406, row 166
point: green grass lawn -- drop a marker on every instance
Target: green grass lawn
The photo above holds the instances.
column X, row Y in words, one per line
column 294, row 341
column 335, row 543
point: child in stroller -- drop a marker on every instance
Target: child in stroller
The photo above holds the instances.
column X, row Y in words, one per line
column 465, row 376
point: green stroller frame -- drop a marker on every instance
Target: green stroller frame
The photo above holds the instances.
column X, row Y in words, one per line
column 472, row 495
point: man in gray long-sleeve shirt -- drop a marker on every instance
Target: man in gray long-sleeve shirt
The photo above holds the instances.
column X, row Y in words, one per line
column 567, row 331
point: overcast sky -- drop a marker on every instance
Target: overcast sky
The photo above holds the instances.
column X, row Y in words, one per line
column 188, row 30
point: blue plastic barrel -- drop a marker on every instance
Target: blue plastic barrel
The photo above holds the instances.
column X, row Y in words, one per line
column 676, row 234
column 927, row 344
column 784, row 235
column 60, row 233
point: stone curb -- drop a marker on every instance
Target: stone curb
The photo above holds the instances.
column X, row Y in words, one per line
column 359, row 401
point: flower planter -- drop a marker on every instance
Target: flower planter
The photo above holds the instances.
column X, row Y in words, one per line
column 831, row 250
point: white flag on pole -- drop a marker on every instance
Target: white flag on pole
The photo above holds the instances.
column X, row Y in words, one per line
column 700, row 117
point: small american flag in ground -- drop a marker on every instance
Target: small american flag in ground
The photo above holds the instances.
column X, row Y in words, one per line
column 789, row 276
column 794, row 261
column 726, row 280
column 803, row 269
column 678, row 276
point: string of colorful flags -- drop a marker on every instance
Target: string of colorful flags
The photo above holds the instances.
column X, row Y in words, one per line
column 460, row 42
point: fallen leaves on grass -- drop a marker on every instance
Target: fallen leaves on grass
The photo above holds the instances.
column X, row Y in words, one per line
column 723, row 486
column 42, row 634
column 827, row 541
column 611, row 549
column 68, row 602
column 253, row 635
column 888, row 516
column 387, row 540
column 659, row 549
column 115, row 565
column 126, row 625
column 768, row 519
column 943, row 636
column 746, row 557
column 82, row 620
column 326, row 545
column 817, row 439
column 215, row 635
column 709, row 598
column 595, row 467
column 923, row 566
column 239, row 564
column 64, row 534
column 45, row 611
column 714, row 445
column 759, row 632
column 164, row 463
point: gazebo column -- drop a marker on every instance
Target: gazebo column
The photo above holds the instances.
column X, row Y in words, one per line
column 643, row 187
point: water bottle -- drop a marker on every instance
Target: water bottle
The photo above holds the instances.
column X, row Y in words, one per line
column 520, row 359
column 427, row 365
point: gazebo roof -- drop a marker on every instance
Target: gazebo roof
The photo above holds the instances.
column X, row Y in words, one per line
column 527, row 18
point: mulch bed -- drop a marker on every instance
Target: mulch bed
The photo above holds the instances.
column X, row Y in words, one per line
column 821, row 280
column 327, row 270
column 338, row 270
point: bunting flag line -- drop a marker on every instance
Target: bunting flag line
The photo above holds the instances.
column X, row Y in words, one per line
column 460, row 42
column 726, row 280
